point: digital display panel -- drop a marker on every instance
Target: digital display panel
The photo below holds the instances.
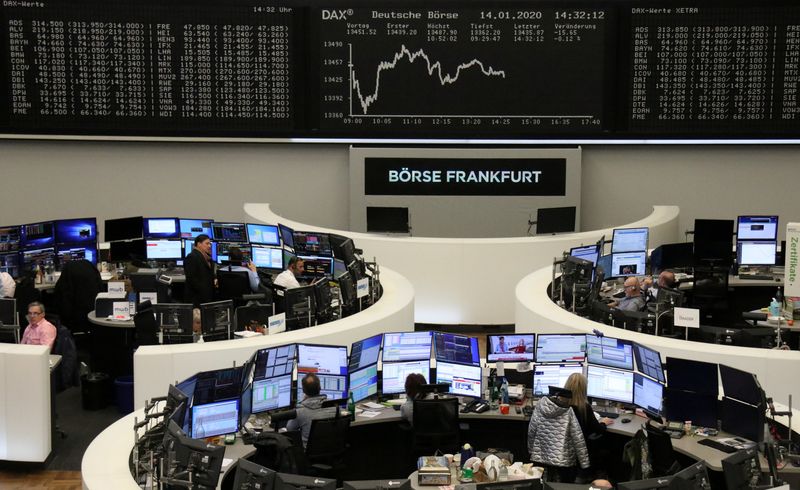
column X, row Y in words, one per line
column 546, row 375
column 76, row 231
column 192, row 228
column 463, row 380
column 609, row 384
column 608, row 351
column 510, row 348
column 394, row 374
column 560, row 347
column 263, row 234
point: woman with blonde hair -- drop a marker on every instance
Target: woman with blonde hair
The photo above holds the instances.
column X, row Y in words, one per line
column 591, row 427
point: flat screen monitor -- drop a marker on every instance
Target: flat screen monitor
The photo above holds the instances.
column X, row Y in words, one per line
column 546, row 375
column 756, row 252
column 260, row 234
column 187, row 387
column 742, row 470
column 274, row 361
column 394, row 374
column 387, row 219
column 272, row 393
column 378, row 485
column 450, row 347
column 629, row 240
column 285, row 481
column 128, row 250
column 10, row 237
column 10, row 263
column 648, row 394
column 73, row 231
column 757, row 228
column 511, row 348
column 252, row 476
column 66, row 253
column 609, row 384
column 700, row 408
column 287, row 256
column 38, row 256
column 216, row 318
column 695, row 376
column 267, row 257
column 123, row 229
column 8, row 311
column 343, row 248
column 161, row 228
column 627, row 264
column 224, row 256
column 332, row 386
column 163, row 249
column 300, row 307
column 464, row 380
column 555, row 220
column 287, row 235
column 194, row 460
column 364, row 382
column 649, row 484
column 406, row 346
column 648, row 362
column 742, row 419
column 365, row 352
column 315, row 266
column 188, row 246
column 38, row 235
column 713, row 240
column 229, row 232
column 219, row 385
column 588, row 252
column 740, row 385
column 690, row 478
column 312, row 243
column 604, row 263
column 214, row 419
column 192, row 228
column 321, row 359
column 610, row 352
column 560, row 348
column 175, row 317
column 672, row 256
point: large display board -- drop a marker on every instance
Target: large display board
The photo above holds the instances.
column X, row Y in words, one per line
column 351, row 70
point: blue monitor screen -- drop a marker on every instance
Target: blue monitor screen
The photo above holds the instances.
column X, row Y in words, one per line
column 9, row 238
column 192, row 228
column 287, row 235
column 609, row 384
column 586, row 253
column 214, row 419
column 757, row 228
column 648, row 362
column 627, row 264
column 463, row 380
column 38, row 256
column 188, row 246
column 365, row 352
column 163, row 250
column 406, row 346
column 76, row 230
column 647, row 394
column 321, row 359
column 364, row 382
column 560, row 347
column 267, row 257
column 229, row 232
column 629, row 240
column 161, row 228
column 546, row 375
column 36, row 235
column 394, row 374
column 272, row 393
column 332, row 386
column 76, row 252
column 274, row 361
column 610, row 352
column 263, row 234
column 604, row 262
column 456, row 348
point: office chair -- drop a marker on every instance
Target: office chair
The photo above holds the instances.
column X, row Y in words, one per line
column 144, row 321
column 710, row 295
column 326, row 447
column 233, row 285
column 659, row 445
column 75, row 292
column 254, row 312
column 435, row 426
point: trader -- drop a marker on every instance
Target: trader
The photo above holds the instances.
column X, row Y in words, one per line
column 633, row 300
column 288, row 278
column 199, row 272
column 310, row 408
column 665, row 280
column 236, row 259
column 39, row 331
column 414, row 382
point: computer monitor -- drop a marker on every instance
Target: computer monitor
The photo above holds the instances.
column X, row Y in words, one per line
column 740, row 385
column 38, row 256
column 261, row 234
column 694, row 376
column 192, row 228
column 38, row 235
column 287, row 235
column 756, row 252
column 378, row 485
column 66, row 253
column 323, row 297
column 300, row 307
column 193, row 460
column 669, row 298
column 161, row 228
column 546, row 375
column 10, row 263
column 187, row 387
column 175, row 318
column 8, row 311
column 343, row 248
column 321, row 359
column 691, row 478
column 604, row 263
column 757, row 228
column 701, row 409
column 365, row 352
column 560, row 347
column 334, row 387
column 177, row 404
column 672, row 256
column 742, row 419
column 555, row 220
column 214, row 419
column 163, row 249
column 511, row 347
column 123, row 229
column 347, row 288
column 713, row 240
column 364, row 382
column 229, row 232
column 188, row 246
column 649, row 484
column 274, row 361
column 127, row 250
column 450, row 347
column 648, row 362
column 629, row 240
column 217, row 319
column 252, row 476
column 387, row 219
column 285, row 481
column 224, row 255
column 610, row 352
column 406, row 346
column 588, row 252
column 648, row 394
column 219, row 385
column 627, row 264
column 267, row 257
column 272, row 393
column 393, row 375
column 742, row 470
column 74, row 231
column 10, row 237
column 609, row 384
column 312, row 243
column 287, row 256
column 315, row 266
column 464, row 380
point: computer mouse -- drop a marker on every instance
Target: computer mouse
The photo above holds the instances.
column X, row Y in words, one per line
column 625, row 420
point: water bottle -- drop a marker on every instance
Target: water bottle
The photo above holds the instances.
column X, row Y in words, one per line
column 504, row 391
column 351, row 405
column 774, row 308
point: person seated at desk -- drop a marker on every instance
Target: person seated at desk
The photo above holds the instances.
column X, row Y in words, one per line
column 666, row 279
column 633, row 300
column 39, row 330
column 413, row 383
column 236, row 259
column 7, row 285
column 288, row 278
column 310, row 408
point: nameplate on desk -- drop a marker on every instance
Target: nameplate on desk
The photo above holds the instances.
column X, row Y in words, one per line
column 276, row 324
column 362, row 287
column 121, row 310
column 116, row 288
column 687, row 317
column 151, row 297
column 791, row 270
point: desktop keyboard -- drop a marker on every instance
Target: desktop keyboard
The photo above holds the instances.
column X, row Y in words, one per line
column 610, row 415
column 757, row 277
column 717, row 445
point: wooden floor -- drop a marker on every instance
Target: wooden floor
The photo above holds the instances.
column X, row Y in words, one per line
column 40, row 480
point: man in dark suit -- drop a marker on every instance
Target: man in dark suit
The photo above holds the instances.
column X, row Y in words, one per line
column 199, row 271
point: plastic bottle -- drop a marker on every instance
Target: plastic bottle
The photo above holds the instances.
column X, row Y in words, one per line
column 504, row 391
column 774, row 308
column 351, row 405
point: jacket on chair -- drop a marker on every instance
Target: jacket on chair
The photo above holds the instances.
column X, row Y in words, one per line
column 555, row 437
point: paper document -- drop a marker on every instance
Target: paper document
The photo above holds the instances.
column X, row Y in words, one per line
column 372, row 405
column 368, row 414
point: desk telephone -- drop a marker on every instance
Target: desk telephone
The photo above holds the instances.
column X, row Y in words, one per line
column 476, row 406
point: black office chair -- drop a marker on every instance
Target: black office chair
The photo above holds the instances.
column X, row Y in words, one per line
column 144, row 321
column 326, row 446
column 435, row 426
column 710, row 295
column 256, row 312
column 659, row 446
column 75, row 292
column 233, row 285
column 9, row 321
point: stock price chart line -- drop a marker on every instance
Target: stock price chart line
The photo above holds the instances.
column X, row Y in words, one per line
column 462, row 70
